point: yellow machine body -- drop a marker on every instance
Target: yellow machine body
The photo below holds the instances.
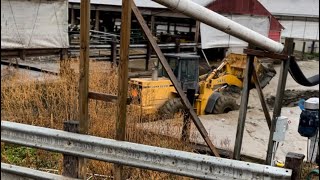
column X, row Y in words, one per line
column 152, row 94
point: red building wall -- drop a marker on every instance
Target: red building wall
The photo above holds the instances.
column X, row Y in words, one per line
column 247, row 7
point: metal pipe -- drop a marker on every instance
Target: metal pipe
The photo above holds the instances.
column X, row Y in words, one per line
column 221, row 23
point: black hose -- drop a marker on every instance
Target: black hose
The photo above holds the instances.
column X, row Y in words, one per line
column 299, row 77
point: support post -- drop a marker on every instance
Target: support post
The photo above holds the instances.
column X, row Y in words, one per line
column 197, row 35
column 123, row 79
column 174, row 80
column 153, row 29
column 70, row 163
column 64, row 64
column 114, row 52
column 148, row 57
column 303, row 48
column 168, row 28
column 294, row 161
column 279, row 96
column 97, row 21
column 178, row 42
column 84, row 76
column 243, row 107
column 73, row 17
column 186, row 117
column 312, row 47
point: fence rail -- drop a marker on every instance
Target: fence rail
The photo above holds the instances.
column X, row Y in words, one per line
column 137, row 155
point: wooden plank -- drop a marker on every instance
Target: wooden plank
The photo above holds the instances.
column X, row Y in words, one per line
column 105, row 97
column 243, row 107
column 262, row 99
column 84, row 76
column 123, row 79
column 268, row 54
column 32, row 68
column 174, row 80
column 294, row 161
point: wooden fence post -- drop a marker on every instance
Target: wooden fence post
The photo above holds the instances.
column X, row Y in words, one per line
column 294, row 161
column 70, row 163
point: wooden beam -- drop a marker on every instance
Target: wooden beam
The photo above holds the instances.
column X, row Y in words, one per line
column 243, row 107
column 153, row 29
column 123, row 79
column 84, row 76
column 174, row 80
column 288, row 50
column 260, row 53
column 262, row 99
column 105, row 97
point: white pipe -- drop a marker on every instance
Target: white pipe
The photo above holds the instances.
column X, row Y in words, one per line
column 222, row 23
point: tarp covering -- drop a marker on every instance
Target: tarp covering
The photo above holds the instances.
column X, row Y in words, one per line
column 306, row 30
column 213, row 38
column 34, row 24
column 303, row 8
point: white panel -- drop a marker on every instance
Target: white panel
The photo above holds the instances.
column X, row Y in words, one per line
column 34, row 24
column 212, row 38
column 300, row 30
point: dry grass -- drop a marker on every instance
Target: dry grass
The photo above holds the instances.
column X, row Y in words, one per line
column 49, row 103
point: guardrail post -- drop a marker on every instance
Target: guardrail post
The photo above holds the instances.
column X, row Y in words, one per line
column 294, row 161
column 70, row 163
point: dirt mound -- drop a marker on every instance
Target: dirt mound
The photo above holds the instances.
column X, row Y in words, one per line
column 292, row 97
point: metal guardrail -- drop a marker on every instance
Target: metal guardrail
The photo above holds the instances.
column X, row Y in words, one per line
column 9, row 171
column 137, row 155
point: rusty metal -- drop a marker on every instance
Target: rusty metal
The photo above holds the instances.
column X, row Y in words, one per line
column 174, row 80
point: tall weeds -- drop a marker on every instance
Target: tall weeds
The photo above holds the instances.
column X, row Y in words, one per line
column 49, row 101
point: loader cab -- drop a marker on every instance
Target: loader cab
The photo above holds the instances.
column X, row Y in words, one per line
column 185, row 67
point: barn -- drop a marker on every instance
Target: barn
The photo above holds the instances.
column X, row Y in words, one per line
column 250, row 13
column 300, row 19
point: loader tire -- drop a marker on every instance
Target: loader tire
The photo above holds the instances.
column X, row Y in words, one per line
column 170, row 108
column 225, row 104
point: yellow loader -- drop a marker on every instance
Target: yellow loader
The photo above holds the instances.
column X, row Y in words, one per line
column 212, row 93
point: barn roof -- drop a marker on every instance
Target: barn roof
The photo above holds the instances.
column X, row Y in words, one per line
column 139, row 3
column 304, row 8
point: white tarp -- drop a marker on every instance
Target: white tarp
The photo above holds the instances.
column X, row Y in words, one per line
column 213, row 38
column 34, row 24
column 300, row 29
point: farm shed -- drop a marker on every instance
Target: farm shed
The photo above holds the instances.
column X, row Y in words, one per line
column 34, row 24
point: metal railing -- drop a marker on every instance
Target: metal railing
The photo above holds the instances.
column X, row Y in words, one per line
column 136, row 155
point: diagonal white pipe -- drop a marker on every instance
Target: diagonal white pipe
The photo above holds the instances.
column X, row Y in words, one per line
column 222, row 23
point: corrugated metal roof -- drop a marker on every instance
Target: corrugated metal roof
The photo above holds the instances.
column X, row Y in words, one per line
column 306, row 8
column 139, row 3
